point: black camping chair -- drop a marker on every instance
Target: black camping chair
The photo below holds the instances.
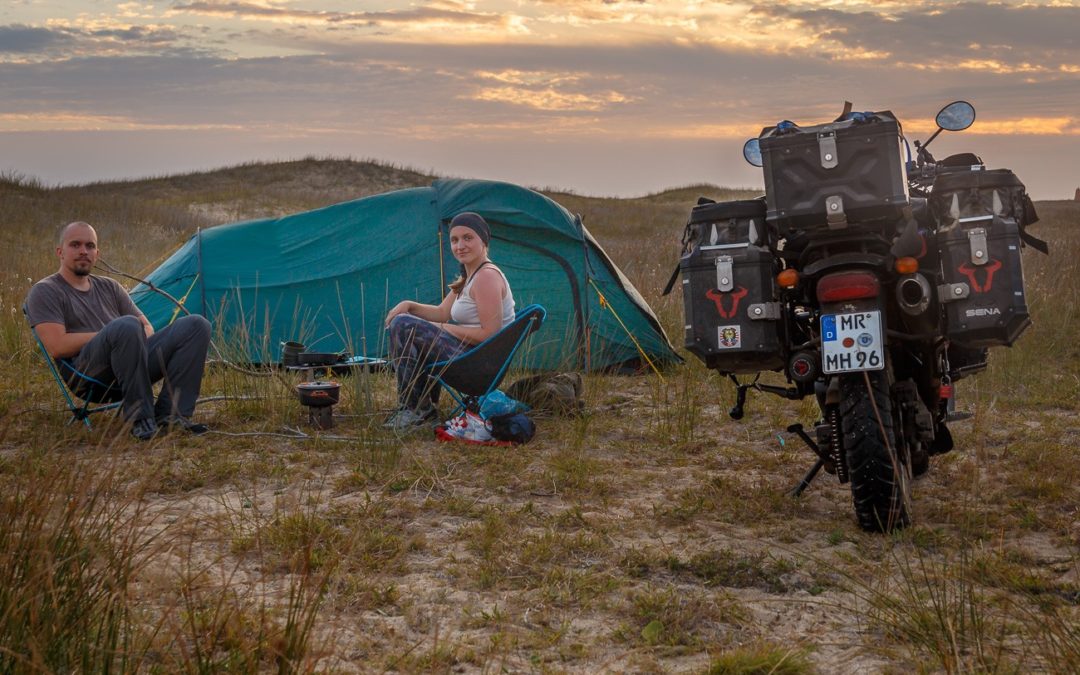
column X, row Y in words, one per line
column 96, row 396
column 471, row 376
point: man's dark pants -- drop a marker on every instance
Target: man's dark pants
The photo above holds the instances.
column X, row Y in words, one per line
column 121, row 353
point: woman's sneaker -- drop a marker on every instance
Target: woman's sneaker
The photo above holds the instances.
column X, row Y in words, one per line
column 405, row 419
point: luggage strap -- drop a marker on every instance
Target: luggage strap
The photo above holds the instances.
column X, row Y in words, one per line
column 1030, row 217
column 671, row 282
column 685, row 246
column 1034, row 242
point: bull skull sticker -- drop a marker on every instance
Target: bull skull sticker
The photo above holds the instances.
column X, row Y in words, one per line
column 722, row 298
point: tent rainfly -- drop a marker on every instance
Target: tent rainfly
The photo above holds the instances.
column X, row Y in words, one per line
column 328, row 277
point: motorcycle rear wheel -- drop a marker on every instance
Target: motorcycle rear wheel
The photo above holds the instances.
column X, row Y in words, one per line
column 880, row 479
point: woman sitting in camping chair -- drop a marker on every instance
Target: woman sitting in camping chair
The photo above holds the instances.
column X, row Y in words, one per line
column 479, row 305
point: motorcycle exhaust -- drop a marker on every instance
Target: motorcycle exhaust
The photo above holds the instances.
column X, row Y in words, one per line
column 913, row 294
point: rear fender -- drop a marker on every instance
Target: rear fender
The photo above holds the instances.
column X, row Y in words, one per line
column 860, row 305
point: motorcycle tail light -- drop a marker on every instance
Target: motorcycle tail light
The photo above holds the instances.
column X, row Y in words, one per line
column 848, row 286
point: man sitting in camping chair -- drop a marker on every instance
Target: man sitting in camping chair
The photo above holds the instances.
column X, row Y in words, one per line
column 480, row 304
column 92, row 323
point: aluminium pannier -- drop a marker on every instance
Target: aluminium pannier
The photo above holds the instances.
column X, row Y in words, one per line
column 729, row 295
column 981, row 218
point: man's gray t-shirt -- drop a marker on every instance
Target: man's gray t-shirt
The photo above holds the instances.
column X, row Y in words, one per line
column 53, row 300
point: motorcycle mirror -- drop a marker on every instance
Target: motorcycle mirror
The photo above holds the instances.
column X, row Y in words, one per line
column 751, row 152
column 956, row 116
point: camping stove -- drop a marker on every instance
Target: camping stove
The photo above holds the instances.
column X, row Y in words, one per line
column 319, row 398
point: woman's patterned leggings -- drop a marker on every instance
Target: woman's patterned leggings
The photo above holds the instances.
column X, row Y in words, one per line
column 415, row 343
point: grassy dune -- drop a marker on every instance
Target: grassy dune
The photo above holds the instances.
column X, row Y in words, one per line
column 651, row 534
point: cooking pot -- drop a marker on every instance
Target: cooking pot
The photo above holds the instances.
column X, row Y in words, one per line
column 289, row 351
column 318, row 394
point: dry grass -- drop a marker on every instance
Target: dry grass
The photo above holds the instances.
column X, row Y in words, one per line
column 649, row 535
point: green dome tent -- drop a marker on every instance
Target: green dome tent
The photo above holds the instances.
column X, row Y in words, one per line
column 328, row 277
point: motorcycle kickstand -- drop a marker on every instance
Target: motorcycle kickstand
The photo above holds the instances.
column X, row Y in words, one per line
column 805, row 482
column 736, row 412
column 813, row 472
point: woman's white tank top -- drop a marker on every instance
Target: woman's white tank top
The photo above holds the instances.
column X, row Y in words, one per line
column 464, row 312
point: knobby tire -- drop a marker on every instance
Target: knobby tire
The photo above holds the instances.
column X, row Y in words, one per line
column 877, row 483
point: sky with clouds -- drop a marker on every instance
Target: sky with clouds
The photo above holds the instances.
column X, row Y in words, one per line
column 604, row 97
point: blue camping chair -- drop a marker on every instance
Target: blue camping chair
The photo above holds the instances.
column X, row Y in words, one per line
column 96, row 396
column 471, row 376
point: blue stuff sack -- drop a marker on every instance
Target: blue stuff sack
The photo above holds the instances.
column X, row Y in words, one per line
column 515, row 428
column 497, row 403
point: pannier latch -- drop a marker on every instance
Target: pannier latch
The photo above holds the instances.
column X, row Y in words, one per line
column 827, row 148
column 764, row 311
column 834, row 212
column 977, row 239
column 724, row 280
column 953, row 292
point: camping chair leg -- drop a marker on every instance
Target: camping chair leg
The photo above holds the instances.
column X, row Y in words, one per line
column 77, row 413
column 63, row 389
column 459, row 402
column 81, row 414
column 85, row 420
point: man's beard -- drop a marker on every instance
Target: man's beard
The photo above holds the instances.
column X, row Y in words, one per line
column 82, row 271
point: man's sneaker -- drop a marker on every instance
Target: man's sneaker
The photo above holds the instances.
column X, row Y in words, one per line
column 469, row 427
column 407, row 419
column 144, row 429
column 179, row 423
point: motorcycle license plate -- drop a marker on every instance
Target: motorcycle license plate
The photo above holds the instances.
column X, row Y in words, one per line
column 852, row 342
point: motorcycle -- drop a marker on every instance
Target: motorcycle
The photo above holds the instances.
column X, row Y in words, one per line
column 873, row 279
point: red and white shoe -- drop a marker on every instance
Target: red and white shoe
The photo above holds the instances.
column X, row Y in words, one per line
column 469, row 427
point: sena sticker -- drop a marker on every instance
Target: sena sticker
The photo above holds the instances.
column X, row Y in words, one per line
column 728, row 337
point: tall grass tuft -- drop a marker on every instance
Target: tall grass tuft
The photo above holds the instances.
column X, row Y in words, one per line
column 226, row 616
column 940, row 608
column 69, row 550
column 761, row 659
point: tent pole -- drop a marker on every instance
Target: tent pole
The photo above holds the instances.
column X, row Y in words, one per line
column 442, row 271
column 586, row 352
column 202, row 286
column 363, row 321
